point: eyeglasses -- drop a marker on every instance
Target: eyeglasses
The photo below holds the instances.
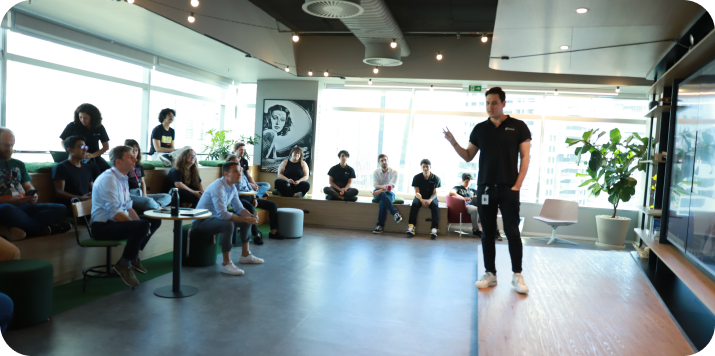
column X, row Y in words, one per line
column 192, row 156
column 83, row 147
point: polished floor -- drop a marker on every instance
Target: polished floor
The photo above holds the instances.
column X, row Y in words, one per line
column 333, row 292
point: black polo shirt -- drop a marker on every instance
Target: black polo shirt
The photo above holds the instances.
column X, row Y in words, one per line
column 243, row 162
column 427, row 186
column 499, row 146
column 92, row 137
column 463, row 192
column 341, row 175
column 77, row 179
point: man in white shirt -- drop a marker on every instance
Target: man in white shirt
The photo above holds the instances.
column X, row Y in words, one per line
column 384, row 180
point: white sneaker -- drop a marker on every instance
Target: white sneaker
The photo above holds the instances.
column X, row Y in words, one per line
column 250, row 259
column 398, row 218
column 231, row 269
column 433, row 234
column 487, row 280
column 410, row 230
column 299, row 195
column 518, row 282
column 165, row 160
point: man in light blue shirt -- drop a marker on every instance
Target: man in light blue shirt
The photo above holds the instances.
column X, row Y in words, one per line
column 216, row 199
column 113, row 217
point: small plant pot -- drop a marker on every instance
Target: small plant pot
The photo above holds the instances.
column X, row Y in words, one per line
column 612, row 231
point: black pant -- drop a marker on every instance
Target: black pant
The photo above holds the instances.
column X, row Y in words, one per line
column 186, row 196
column 349, row 194
column 500, row 197
column 288, row 190
column 415, row 208
column 136, row 232
column 97, row 165
column 265, row 205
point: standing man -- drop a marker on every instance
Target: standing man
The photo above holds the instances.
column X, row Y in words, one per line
column 384, row 180
column 162, row 139
column 113, row 217
column 239, row 149
column 216, row 199
column 503, row 140
column 341, row 177
column 426, row 184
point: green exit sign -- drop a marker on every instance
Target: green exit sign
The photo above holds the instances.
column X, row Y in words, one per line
column 475, row 88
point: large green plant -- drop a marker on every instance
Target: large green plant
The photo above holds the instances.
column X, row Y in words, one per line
column 250, row 140
column 220, row 146
column 611, row 164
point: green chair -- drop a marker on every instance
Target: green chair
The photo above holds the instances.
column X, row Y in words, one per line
column 29, row 284
column 82, row 209
column 199, row 250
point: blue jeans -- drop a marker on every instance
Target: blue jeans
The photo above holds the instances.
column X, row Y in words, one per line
column 150, row 202
column 386, row 199
column 263, row 187
column 31, row 218
column 6, row 307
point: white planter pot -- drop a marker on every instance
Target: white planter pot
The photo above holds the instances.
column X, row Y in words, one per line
column 612, row 231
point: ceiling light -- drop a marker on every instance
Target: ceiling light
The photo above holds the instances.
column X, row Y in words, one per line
column 326, row 73
column 564, row 47
column 295, row 37
column 439, row 56
column 287, row 69
column 393, row 44
column 195, row 3
column 376, row 70
column 310, row 72
column 618, row 89
column 556, row 92
column 485, row 38
column 582, row 10
column 130, row 1
column 431, row 88
column 369, row 82
column 192, row 18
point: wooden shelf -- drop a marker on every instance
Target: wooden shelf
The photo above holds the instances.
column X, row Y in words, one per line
column 657, row 110
column 702, row 54
column 650, row 212
column 698, row 283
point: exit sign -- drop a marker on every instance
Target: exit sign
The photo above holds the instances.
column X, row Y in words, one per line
column 475, row 88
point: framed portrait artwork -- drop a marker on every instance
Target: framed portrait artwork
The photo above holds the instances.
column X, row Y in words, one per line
column 286, row 124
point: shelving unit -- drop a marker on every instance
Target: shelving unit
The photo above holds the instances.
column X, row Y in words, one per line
column 701, row 54
column 657, row 110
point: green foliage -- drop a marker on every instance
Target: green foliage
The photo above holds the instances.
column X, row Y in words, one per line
column 611, row 164
column 220, row 147
column 250, row 140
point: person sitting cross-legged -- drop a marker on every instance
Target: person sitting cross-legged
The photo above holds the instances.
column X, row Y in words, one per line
column 73, row 178
column 162, row 142
column 341, row 177
column 426, row 184
column 384, row 180
column 239, row 149
column 293, row 175
column 137, row 184
column 215, row 199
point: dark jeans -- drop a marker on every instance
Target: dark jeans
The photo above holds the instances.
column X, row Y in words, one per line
column 386, row 199
column 415, row 208
column 31, row 218
column 507, row 200
column 136, row 232
column 349, row 194
column 265, row 205
column 287, row 190
column 186, row 196
column 97, row 165
column 6, row 308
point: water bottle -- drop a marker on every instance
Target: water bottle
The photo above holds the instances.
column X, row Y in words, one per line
column 175, row 202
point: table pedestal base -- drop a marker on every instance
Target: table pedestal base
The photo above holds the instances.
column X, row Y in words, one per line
column 168, row 292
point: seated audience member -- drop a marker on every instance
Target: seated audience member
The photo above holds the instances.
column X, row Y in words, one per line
column 8, row 251
column 463, row 192
column 426, row 184
column 73, row 178
column 137, row 184
column 113, row 217
column 19, row 212
column 341, row 177
column 218, row 195
column 88, row 124
column 185, row 176
column 162, row 139
column 6, row 308
column 239, row 149
column 384, row 180
column 250, row 202
column 293, row 175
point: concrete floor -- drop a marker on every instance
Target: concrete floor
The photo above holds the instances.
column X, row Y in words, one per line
column 332, row 292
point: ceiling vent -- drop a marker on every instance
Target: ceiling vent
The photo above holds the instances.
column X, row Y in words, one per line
column 333, row 9
column 379, row 54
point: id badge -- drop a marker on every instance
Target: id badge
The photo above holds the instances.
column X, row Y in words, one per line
column 485, row 199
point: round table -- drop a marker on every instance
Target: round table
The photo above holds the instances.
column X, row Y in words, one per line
column 176, row 290
column 252, row 192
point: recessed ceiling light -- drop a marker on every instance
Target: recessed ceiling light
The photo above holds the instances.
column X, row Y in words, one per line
column 581, row 10
column 564, row 47
column 195, row 3
column 439, row 56
column 485, row 38
column 295, row 37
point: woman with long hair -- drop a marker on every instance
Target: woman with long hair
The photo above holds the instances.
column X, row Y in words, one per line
column 185, row 176
column 88, row 124
column 293, row 175
column 137, row 185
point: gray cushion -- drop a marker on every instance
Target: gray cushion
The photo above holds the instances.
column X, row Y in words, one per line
column 290, row 222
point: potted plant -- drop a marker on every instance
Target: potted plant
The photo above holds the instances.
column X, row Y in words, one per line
column 610, row 170
column 220, row 147
column 250, row 140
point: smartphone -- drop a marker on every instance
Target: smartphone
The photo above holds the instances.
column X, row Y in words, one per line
column 31, row 193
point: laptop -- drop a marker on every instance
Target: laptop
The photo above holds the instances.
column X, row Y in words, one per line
column 59, row 156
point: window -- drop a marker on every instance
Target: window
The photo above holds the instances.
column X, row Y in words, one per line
column 242, row 119
column 193, row 118
column 160, row 79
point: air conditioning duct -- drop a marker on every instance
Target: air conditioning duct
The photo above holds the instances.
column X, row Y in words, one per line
column 333, row 9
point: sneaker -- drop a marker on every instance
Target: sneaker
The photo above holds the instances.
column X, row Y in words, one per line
column 127, row 274
column 498, row 236
column 410, row 230
column 231, row 269
column 352, row 199
column 487, row 280
column 60, row 227
column 12, row 234
column 166, row 160
column 299, row 195
column 398, row 217
column 250, row 259
column 378, row 230
column 477, row 233
column 433, row 234
column 137, row 266
column 258, row 240
column 518, row 282
column 276, row 236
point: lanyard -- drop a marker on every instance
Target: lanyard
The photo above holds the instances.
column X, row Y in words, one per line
column 135, row 175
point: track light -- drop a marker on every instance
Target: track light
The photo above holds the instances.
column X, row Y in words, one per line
column 287, row 69
column 195, row 3
column 485, row 38
column 618, row 89
column 439, row 56
column 325, row 74
column 431, row 88
column 564, row 47
column 393, row 44
column 582, row 10
column 369, row 82
column 130, row 1
column 192, row 18
column 376, row 70
column 310, row 72
column 295, row 37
